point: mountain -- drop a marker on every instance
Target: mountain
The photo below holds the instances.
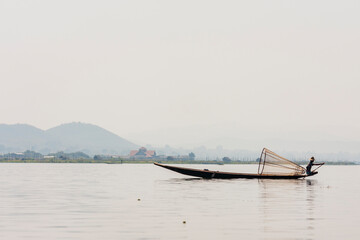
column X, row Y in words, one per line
column 89, row 138
column 19, row 137
column 69, row 137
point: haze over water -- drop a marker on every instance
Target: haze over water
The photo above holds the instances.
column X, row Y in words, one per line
column 100, row 201
column 218, row 74
column 240, row 74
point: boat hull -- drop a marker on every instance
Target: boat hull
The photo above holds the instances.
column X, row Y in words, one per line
column 225, row 175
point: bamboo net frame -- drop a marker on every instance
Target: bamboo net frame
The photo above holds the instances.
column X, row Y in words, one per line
column 272, row 164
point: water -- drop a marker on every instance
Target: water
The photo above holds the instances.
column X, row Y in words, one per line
column 100, row 201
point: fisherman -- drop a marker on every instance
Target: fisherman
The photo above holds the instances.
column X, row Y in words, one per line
column 311, row 163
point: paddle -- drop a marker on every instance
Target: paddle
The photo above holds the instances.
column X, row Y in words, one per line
column 320, row 165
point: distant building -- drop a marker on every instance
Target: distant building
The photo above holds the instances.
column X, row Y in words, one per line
column 142, row 153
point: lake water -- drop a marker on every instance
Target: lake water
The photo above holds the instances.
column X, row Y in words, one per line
column 100, row 201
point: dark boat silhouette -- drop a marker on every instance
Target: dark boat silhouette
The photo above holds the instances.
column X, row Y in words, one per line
column 271, row 166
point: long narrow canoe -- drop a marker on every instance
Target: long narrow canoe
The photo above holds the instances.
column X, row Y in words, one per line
column 227, row 175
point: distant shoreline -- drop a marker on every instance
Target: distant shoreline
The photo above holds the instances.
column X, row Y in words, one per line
column 126, row 161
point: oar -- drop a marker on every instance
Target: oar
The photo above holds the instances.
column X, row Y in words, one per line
column 320, row 165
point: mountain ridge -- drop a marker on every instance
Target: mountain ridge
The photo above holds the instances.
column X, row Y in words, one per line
column 68, row 137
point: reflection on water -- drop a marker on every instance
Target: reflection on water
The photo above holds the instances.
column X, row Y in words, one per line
column 310, row 200
column 101, row 201
column 310, row 182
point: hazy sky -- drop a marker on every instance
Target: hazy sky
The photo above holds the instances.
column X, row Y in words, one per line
column 185, row 73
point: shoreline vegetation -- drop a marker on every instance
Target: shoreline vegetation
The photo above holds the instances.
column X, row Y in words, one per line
column 142, row 156
column 128, row 161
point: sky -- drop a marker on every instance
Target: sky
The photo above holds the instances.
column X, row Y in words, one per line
column 240, row 74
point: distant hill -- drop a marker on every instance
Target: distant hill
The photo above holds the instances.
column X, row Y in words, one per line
column 69, row 137
column 20, row 137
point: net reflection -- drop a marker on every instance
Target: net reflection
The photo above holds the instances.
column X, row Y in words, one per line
column 281, row 206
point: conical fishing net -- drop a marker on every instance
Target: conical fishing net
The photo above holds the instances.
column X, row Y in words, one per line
column 273, row 164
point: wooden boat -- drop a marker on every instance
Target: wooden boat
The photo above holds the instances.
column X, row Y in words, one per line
column 225, row 175
column 271, row 166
